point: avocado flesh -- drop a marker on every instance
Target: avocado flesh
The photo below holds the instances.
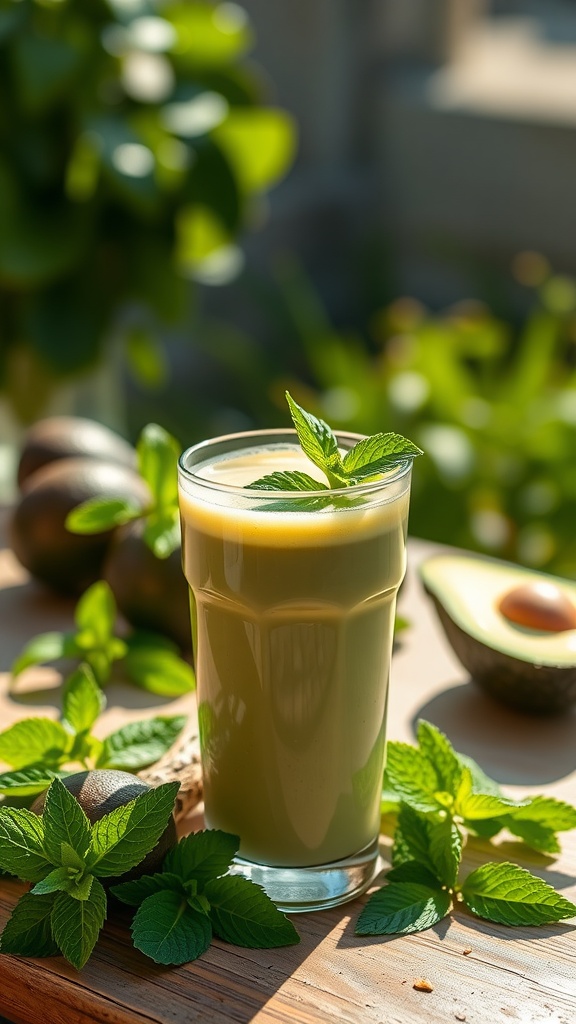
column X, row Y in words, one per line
column 530, row 670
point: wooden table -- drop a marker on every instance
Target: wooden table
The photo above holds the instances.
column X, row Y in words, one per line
column 480, row 973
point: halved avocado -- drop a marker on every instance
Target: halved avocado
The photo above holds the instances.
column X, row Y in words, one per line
column 527, row 668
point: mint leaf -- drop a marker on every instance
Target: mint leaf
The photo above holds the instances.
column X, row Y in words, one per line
column 169, row 931
column 28, row 781
column 121, row 839
column 445, row 845
column 411, row 839
column 76, row 924
column 97, row 515
column 478, row 806
column 414, row 871
column 61, row 880
column 158, row 454
column 318, row 443
column 28, row 931
column 140, row 743
column 242, row 913
column 485, row 828
column 438, row 749
column 34, row 740
column 287, row 480
column 69, row 858
column 537, row 820
column 548, row 812
column 378, row 454
column 95, row 614
column 82, row 700
column 158, row 670
column 412, row 777
column 400, row 908
column 533, row 834
column 202, row 855
column 42, row 648
column 134, row 893
column 162, row 532
column 64, row 822
column 509, row 894
column 22, row 850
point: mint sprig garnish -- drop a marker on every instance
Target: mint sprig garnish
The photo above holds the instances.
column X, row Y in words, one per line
column 367, row 460
column 65, row 856
column 40, row 749
column 442, row 796
column 148, row 660
column 194, row 897
column 157, row 453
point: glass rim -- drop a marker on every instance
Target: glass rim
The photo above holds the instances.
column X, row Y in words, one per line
column 279, row 433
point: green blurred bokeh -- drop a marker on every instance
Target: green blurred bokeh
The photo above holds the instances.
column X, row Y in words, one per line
column 136, row 146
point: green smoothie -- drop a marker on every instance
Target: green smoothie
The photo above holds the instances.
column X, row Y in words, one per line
column 293, row 615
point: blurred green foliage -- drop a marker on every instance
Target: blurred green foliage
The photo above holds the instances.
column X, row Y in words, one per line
column 492, row 405
column 135, row 145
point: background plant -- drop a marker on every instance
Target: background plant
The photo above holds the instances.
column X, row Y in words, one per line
column 148, row 659
column 134, row 144
column 492, row 402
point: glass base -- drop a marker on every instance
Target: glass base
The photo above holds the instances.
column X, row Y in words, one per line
column 297, row 890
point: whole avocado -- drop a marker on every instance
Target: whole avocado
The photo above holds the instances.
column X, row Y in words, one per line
column 151, row 592
column 65, row 561
column 100, row 791
column 66, row 437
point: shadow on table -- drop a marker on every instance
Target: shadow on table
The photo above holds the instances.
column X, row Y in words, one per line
column 510, row 746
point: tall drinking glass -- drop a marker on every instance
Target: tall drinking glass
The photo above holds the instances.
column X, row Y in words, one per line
column 292, row 597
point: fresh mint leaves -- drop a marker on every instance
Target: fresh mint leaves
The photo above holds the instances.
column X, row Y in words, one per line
column 440, row 796
column 511, row 895
column 65, row 856
column 149, row 660
column 39, row 749
column 157, row 453
column 193, row 897
column 367, row 460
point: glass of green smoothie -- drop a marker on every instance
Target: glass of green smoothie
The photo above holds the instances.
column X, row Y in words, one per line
column 293, row 599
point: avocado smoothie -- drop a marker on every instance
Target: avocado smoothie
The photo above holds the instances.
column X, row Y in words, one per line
column 292, row 617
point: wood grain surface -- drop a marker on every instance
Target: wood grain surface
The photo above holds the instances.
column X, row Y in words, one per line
column 478, row 972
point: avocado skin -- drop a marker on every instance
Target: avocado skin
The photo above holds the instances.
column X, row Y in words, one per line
column 536, row 689
column 151, row 592
column 63, row 437
column 66, row 561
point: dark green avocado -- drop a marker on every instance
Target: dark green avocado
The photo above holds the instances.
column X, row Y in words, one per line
column 502, row 623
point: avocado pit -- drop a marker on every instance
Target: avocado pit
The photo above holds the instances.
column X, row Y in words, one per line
column 539, row 605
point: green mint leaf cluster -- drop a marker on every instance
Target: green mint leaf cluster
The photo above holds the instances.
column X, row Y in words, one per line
column 366, row 461
column 65, row 857
column 149, row 660
column 440, row 796
column 157, row 453
column 40, row 749
column 194, row 897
